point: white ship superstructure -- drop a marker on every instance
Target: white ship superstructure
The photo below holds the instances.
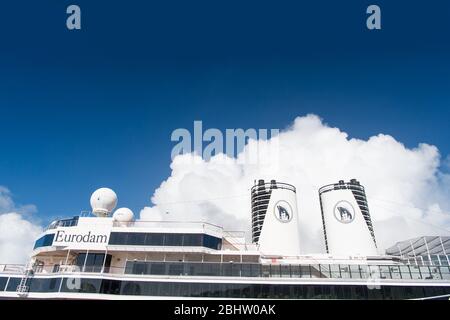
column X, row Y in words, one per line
column 110, row 255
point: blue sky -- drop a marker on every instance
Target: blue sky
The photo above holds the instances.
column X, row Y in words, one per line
column 96, row 107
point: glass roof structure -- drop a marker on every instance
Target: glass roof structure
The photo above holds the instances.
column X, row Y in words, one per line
column 421, row 246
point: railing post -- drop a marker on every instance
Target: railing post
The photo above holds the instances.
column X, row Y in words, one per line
column 67, row 258
column 85, row 259
column 7, row 282
column 104, row 261
column 60, row 284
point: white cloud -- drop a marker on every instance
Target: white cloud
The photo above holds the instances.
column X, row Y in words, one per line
column 408, row 194
column 17, row 230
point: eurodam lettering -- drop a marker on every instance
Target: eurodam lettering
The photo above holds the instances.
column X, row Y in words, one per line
column 61, row 236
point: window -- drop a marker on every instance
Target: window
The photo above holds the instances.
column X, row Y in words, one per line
column 218, row 290
column 345, row 271
column 159, row 239
column 44, row 241
column 395, row 272
column 158, row 268
column 192, row 240
column 139, row 267
column 86, row 286
column 334, row 269
column 44, row 285
column 251, row 270
column 207, row 290
column 315, row 271
column 154, row 239
column 405, row 273
column 131, row 288
column 231, row 269
column 445, row 271
column 193, row 269
column 80, row 260
column 176, row 269
column 444, row 261
column 94, row 262
column 174, row 239
column 3, row 281
column 152, row 288
column 68, row 222
column 211, row 242
column 136, row 239
column 209, row 269
column 364, row 271
column 228, row 290
column 118, row 238
column 54, row 284
column 305, row 271
column 426, row 260
column 385, row 272
column 110, row 287
column 275, row 270
column 235, row 290
column 285, row 271
column 12, row 284
column 184, row 289
column 436, row 273
column 227, row 269
column 426, row 274
column 435, row 260
column 265, row 270
column 266, row 291
column 374, row 272
column 195, row 289
column 415, row 272
column 89, row 285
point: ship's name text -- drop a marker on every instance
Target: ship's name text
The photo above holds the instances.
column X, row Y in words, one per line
column 61, row 236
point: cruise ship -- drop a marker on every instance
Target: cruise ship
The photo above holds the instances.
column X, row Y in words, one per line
column 108, row 254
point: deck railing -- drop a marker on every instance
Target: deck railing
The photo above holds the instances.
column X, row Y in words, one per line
column 12, row 268
column 169, row 224
column 251, row 270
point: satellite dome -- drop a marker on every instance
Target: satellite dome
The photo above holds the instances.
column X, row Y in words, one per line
column 103, row 201
column 123, row 215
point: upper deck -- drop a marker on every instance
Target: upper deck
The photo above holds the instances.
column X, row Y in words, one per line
column 93, row 233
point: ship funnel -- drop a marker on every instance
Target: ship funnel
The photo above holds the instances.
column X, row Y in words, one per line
column 275, row 224
column 347, row 225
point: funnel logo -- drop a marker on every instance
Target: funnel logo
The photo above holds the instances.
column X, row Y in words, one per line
column 344, row 212
column 283, row 211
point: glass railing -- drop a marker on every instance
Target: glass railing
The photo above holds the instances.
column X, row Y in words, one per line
column 436, row 260
column 12, row 268
column 257, row 270
column 63, row 223
column 205, row 226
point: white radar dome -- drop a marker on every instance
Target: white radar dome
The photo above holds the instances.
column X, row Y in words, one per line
column 103, row 201
column 123, row 215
